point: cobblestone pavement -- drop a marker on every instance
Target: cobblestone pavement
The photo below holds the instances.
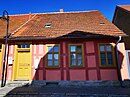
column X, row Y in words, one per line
column 58, row 91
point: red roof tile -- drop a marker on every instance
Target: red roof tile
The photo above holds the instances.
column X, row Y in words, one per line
column 68, row 22
column 14, row 23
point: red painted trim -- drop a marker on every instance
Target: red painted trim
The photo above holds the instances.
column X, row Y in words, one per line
column 85, row 60
column 61, row 61
column 92, row 68
column 97, row 60
column 44, row 62
column 108, row 67
column 78, row 68
column 90, row 54
column 67, row 62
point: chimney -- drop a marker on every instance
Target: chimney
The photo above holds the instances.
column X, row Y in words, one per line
column 61, row 10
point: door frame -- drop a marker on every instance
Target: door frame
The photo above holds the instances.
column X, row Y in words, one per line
column 1, row 60
column 16, row 59
column 128, row 62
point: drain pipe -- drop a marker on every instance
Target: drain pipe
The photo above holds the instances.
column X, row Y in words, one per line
column 118, row 64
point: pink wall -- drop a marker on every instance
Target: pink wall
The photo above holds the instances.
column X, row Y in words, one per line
column 90, row 71
column 108, row 74
column 92, row 75
column 53, row 75
column 123, row 61
column 0, row 73
column 38, row 53
column 77, row 74
column 10, row 59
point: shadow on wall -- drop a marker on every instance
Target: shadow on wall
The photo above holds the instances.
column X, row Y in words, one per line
column 56, row 56
column 53, row 58
column 63, row 72
column 49, row 66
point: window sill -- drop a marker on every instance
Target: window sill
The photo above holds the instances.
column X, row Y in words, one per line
column 76, row 67
column 108, row 66
column 52, row 67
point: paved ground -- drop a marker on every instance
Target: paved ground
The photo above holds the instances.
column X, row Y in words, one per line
column 58, row 91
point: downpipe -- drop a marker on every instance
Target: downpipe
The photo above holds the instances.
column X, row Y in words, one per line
column 118, row 63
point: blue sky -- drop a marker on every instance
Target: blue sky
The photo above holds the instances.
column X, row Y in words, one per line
column 106, row 7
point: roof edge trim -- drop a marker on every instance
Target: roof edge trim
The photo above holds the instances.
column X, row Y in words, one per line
column 55, row 12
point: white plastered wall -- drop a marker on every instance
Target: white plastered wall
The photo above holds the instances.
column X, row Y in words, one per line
column 124, row 63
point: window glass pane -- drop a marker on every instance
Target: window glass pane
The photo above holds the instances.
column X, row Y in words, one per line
column 110, row 61
column 56, row 56
column 102, row 48
column 73, row 56
column 50, row 49
column 109, row 55
column 79, row 62
column 72, row 48
column 23, row 45
column 27, row 46
column 73, row 62
column 49, row 62
column 103, row 55
column 79, row 49
column 49, row 56
column 19, row 46
column 56, row 49
column 55, row 62
column 108, row 48
column 103, row 62
column 79, row 56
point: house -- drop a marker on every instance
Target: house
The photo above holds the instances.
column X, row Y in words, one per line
column 122, row 20
column 63, row 46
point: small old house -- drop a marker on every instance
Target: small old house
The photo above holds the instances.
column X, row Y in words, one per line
column 63, row 46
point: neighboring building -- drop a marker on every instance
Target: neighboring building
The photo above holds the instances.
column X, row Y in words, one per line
column 63, row 46
column 122, row 20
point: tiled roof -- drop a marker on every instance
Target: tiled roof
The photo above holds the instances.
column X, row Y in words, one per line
column 126, row 7
column 67, row 22
column 15, row 22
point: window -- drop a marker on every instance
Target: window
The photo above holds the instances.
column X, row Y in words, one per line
column 47, row 25
column 23, row 45
column 53, row 56
column 106, row 55
column 76, row 55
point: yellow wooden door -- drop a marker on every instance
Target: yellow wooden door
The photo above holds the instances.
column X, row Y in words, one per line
column 23, row 65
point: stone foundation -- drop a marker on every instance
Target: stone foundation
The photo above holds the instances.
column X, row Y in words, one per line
column 40, row 83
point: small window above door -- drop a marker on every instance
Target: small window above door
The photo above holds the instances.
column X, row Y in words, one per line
column 23, row 45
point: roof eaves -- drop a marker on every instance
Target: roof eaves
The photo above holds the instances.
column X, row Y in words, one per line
column 67, row 37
